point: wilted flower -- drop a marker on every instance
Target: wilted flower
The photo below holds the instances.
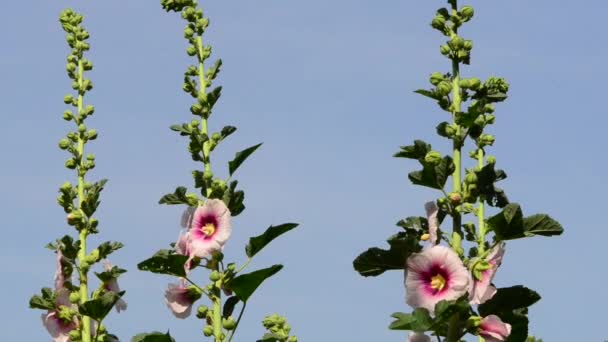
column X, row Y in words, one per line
column 492, row 329
column 418, row 337
column 210, row 229
column 58, row 327
column 481, row 289
column 433, row 275
column 112, row 285
column 431, row 214
column 179, row 299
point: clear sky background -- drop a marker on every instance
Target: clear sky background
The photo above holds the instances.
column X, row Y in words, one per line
column 327, row 85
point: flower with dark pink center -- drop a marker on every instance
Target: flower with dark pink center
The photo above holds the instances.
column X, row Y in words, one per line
column 481, row 289
column 210, row 228
column 179, row 299
column 433, row 275
column 493, row 329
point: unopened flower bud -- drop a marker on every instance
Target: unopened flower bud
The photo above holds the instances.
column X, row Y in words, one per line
column 214, row 276
column 445, row 50
column 456, row 43
column 191, row 51
column 75, row 335
column 201, row 312
column 70, row 164
column 436, row 77
column 74, row 297
column 432, row 157
column 188, row 33
column 467, row 13
column 229, row 323
column 92, row 134
column 491, row 160
column 208, row 331
column 82, row 128
column 67, row 115
column 444, row 88
column 455, row 198
column 468, row 45
column 486, row 140
column 67, row 186
column 489, row 118
column 64, row 144
column 470, row 178
column 473, row 322
column 68, row 99
column 216, row 136
column 75, row 217
column 438, row 23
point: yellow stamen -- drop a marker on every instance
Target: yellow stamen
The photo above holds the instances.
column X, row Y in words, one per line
column 425, row 237
column 438, row 282
column 209, row 229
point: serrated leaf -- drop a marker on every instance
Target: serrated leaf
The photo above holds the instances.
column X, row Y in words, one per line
column 433, row 176
column 508, row 224
column 542, row 224
column 509, row 299
column 416, row 151
column 99, row 308
column 153, row 337
column 402, row 321
column 376, row 261
column 45, row 301
column 245, row 285
column 257, row 243
column 177, row 197
column 486, row 179
column 240, row 157
column 234, row 199
column 165, row 262
column 108, row 248
column 91, row 199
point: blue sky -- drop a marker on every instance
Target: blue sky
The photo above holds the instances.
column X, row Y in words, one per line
column 327, row 86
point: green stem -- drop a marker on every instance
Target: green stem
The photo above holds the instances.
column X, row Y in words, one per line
column 481, row 215
column 457, row 156
column 82, row 252
column 217, row 315
column 238, row 320
column 202, row 94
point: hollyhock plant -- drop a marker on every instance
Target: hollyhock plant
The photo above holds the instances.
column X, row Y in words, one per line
column 481, row 288
column 493, row 329
column 435, row 274
column 450, row 286
column 207, row 218
column 210, row 229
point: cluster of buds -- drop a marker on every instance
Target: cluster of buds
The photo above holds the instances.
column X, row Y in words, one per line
column 278, row 329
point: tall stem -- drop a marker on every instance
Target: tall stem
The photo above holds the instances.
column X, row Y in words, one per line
column 82, row 252
column 457, row 146
column 202, row 93
column 481, row 209
column 217, row 315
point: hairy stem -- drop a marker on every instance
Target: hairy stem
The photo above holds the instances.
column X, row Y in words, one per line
column 481, row 209
column 217, row 315
column 82, row 271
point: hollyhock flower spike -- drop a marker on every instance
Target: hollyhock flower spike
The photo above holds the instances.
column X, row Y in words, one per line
column 431, row 214
column 493, row 329
column 481, row 289
column 433, row 275
column 179, row 299
column 418, row 337
column 112, row 285
column 210, row 229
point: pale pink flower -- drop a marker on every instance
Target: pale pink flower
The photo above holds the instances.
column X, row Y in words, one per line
column 433, row 275
column 210, row 229
column 187, row 217
column 181, row 246
column 481, row 289
column 59, row 277
column 112, row 286
column 179, row 299
column 492, row 329
column 431, row 214
column 418, row 337
column 58, row 328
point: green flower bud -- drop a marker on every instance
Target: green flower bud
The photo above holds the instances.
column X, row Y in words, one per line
column 93, row 257
column 188, row 33
column 71, row 67
column 456, row 43
column 75, row 217
column 191, row 51
column 215, row 276
column 75, row 85
column 67, row 115
column 207, row 175
column 438, row 22
column 433, row 157
column 231, row 267
column 445, row 50
column 90, row 156
column 75, row 335
column 455, row 198
column 201, row 312
column 468, row 45
column 467, row 208
column 486, row 140
column 64, row 144
column 436, row 77
column 92, row 134
column 82, row 128
column 292, row 339
column 457, row 243
column 89, row 110
column 467, row 12
column 72, row 136
column 74, row 297
column 491, row 160
column 470, row 178
column 229, row 323
column 67, row 186
column 93, row 223
column 474, row 83
column 216, row 136
column 489, row 118
column 196, row 109
column 71, row 164
column 473, row 322
column 444, row 88
column 208, row 331
column 68, row 99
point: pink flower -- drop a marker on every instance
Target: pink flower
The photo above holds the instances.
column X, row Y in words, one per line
column 481, row 289
column 418, row 337
column 433, row 275
column 112, row 286
column 59, row 277
column 182, row 247
column 179, row 299
column 187, row 217
column 431, row 214
column 210, row 229
column 57, row 327
column 492, row 329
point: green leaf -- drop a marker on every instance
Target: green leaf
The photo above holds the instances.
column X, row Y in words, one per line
column 183, row 129
column 44, row 302
column 257, row 243
column 165, row 262
column 486, row 179
column 153, row 337
column 416, row 151
column 429, row 93
column 240, row 157
column 108, row 248
column 542, row 224
column 99, row 308
column 234, row 199
column 509, row 299
column 245, row 285
column 508, row 224
column 229, row 305
column 177, row 197
column 402, row 321
column 113, row 273
column 271, row 337
column 445, row 310
column 213, row 96
column 91, row 199
column 376, row 261
column 434, row 176
column 227, row 131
